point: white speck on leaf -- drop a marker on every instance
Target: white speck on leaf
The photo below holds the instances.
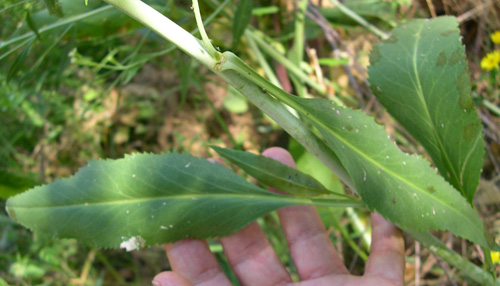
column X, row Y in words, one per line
column 433, row 211
column 338, row 112
column 133, row 243
column 127, row 211
column 364, row 175
column 164, row 203
column 152, row 216
column 404, row 163
column 171, row 226
column 163, row 227
column 133, row 175
column 188, row 164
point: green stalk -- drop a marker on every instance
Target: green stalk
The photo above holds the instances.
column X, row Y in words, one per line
column 296, row 55
column 56, row 25
column 267, row 69
column 492, row 107
column 164, row 27
column 206, row 41
column 360, row 20
column 285, row 62
column 291, row 124
column 263, row 63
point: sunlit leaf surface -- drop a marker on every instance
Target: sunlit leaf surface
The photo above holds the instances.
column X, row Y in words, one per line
column 144, row 199
column 274, row 173
column 421, row 76
column 401, row 187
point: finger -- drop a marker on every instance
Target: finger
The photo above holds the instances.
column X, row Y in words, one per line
column 193, row 260
column 311, row 249
column 170, row 279
column 249, row 252
column 387, row 257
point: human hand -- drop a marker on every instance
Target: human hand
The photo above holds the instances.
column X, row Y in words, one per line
column 316, row 260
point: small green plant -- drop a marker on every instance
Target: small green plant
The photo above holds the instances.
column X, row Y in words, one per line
column 419, row 74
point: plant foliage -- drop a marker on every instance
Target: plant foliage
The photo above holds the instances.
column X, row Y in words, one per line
column 421, row 76
column 145, row 199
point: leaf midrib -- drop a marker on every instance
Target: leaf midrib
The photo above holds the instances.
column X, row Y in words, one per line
column 389, row 171
column 420, row 93
column 270, row 197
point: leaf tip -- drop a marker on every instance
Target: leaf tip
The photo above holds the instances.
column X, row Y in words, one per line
column 11, row 212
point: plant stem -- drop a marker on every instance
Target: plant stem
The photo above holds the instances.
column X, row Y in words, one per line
column 206, row 41
column 285, row 62
column 165, row 28
column 296, row 55
column 360, row 20
column 492, row 107
column 263, row 63
column 291, row 124
column 337, row 203
column 56, row 25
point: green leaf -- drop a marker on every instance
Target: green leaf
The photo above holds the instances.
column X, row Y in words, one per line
column 242, row 18
column 420, row 75
column 402, row 188
column 331, row 62
column 54, row 7
column 31, row 24
column 274, row 173
column 145, row 199
column 266, row 10
column 18, row 61
column 311, row 165
column 235, row 103
column 371, row 10
column 14, row 183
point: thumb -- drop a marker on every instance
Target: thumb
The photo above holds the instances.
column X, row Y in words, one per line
column 169, row 278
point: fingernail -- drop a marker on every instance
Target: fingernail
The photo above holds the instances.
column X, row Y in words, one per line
column 155, row 283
